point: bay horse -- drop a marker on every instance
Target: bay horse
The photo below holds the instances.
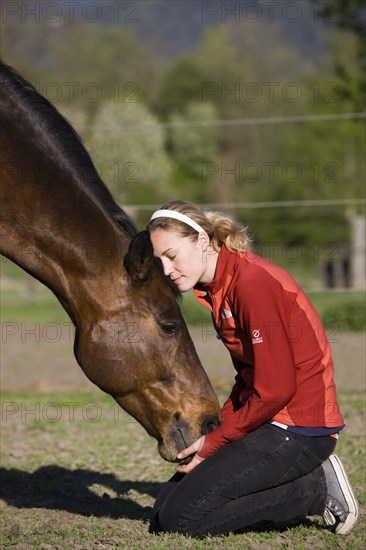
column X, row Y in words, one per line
column 60, row 223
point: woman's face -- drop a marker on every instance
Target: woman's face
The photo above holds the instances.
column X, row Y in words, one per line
column 184, row 261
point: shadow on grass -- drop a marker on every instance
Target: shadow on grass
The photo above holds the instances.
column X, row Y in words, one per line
column 57, row 488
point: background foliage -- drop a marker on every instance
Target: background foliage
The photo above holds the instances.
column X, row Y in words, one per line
column 133, row 75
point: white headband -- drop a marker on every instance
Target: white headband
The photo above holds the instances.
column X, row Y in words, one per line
column 177, row 216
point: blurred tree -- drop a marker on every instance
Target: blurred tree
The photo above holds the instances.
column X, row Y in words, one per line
column 109, row 64
column 237, row 70
column 18, row 45
column 181, row 85
column 350, row 17
column 79, row 62
column 231, row 68
column 132, row 162
column 76, row 117
column 192, row 147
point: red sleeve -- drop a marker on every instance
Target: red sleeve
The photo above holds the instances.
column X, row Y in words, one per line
column 258, row 307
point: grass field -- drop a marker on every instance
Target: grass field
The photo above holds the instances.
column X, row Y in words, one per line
column 77, row 472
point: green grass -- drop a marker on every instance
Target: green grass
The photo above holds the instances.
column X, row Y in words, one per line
column 87, row 480
column 43, row 308
column 11, row 270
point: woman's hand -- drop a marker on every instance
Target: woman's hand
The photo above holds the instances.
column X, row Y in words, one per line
column 194, row 448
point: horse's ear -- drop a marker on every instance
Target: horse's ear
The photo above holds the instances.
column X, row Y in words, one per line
column 139, row 258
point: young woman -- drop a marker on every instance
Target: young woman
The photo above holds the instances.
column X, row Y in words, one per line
column 271, row 458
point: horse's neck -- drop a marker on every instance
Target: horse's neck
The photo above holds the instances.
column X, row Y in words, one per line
column 52, row 221
column 67, row 242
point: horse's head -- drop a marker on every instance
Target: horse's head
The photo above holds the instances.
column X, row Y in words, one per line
column 142, row 355
column 58, row 223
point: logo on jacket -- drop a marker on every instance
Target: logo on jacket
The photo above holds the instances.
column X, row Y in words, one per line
column 226, row 313
column 256, row 337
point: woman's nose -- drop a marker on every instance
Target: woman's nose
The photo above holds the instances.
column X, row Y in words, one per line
column 168, row 270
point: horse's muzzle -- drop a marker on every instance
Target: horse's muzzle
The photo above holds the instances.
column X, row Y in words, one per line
column 182, row 435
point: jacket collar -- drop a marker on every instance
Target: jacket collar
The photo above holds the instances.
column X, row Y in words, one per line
column 225, row 268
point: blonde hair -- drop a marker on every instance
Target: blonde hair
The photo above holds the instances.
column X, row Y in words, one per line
column 220, row 228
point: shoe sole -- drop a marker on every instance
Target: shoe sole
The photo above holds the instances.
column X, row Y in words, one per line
column 345, row 527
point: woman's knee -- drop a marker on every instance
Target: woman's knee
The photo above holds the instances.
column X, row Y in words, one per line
column 169, row 518
column 173, row 517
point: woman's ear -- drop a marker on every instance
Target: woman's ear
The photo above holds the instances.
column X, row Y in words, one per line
column 203, row 238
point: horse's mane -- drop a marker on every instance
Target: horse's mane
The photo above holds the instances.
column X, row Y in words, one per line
column 65, row 142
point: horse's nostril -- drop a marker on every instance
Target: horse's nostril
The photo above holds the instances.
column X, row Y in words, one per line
column 209, row 424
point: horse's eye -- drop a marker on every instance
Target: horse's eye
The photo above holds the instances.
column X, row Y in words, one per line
column 169, row 327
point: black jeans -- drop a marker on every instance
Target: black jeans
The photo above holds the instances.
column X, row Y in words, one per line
column 269, row 475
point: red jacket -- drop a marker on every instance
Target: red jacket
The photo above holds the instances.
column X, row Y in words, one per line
column 278, row 347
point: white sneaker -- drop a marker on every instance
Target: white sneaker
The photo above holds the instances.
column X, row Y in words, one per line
column 341, row 509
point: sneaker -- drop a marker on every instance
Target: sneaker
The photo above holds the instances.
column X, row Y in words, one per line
column 341, row 510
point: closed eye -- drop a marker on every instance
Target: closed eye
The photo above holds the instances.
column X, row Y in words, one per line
column 169, row 327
